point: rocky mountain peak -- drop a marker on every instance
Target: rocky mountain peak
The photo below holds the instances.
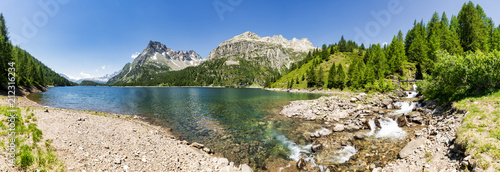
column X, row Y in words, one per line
column 155, row 46
column 247, row 35
column 277, row 50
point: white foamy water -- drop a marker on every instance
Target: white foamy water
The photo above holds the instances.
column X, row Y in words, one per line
column 344, row 154
column 412, row 94
column 371, row 123
column 322, row 131
column 389, row 129
column 299, row 151
column 296, row 149
column 405, row 107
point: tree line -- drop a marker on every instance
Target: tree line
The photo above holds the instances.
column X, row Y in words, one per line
column 29, row 71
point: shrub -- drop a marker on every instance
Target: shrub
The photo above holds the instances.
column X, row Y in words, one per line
column 459, row 76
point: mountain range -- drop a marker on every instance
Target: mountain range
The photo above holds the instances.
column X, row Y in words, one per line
column 243, row 60
column 101, row 80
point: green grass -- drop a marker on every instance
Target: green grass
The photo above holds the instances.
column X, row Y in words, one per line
column 479, row 133
column 32, row 154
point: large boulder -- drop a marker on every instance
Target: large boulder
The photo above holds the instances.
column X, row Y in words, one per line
column 402, row 121
column 410, row 147
column 338, row 128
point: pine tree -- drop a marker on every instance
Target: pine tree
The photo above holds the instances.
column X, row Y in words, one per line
column 340, row 77
column 396, row 55
column 5, row 50
column 311, row 77
column 332, row 73
column 324, row 53
column 471, row 28
column 342, row 44
column 370, row 75
column 354, row 75
column 361, row 73
column 495, row 39
column 320, row 81
column 452, row 39
column 434, row 35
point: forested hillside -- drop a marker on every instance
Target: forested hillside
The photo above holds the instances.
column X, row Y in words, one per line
column 28, row 70
column 210, row 73
column 407, row 57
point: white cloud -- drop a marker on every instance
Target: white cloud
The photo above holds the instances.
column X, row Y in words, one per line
column 135, row 55
column 71, row 77
column 85, row 75
column 103, row 67
column 385, row 43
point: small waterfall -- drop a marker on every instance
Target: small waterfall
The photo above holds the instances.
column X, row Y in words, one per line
column 344, row 154
column 371, row 123
column 414, row 93
column 296, row 149
column 405, row 107
column 390, row 129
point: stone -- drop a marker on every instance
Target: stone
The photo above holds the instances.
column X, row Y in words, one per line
column 410, row 147
column 387, row 102
column 353, row 100
column 208, row 150
column 338, row 128
column 118, row 161
column 330, row 169
column 301, row 163
column 223, row 161
column 228, row 169
column 316, row 147
column 80, row 119
column 197, row 145
column 402, row 121
column 352, row 127
column 418, row 120
column 245, row 168
column 359, row 136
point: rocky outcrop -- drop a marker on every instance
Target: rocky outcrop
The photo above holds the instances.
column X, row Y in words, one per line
column 275, row 52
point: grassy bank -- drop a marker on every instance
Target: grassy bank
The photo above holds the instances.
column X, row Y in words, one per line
column 33, row 152
column 479, row 134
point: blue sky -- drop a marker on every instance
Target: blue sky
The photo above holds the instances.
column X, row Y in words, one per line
column 95, row 37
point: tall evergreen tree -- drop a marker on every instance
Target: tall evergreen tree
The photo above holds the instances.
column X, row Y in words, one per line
column 5, row 50
column 396, row 55
column 311, row 77
column 340, row 77
column 342, row 44
column 332, row 73
column 320, row 81
column 471, row 28
column 324, row 53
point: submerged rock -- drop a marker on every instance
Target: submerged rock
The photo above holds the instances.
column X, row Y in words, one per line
column 316, row 147
column 301, row 163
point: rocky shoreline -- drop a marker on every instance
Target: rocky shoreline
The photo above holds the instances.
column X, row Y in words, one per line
column 88, row 141
column 428, row 144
